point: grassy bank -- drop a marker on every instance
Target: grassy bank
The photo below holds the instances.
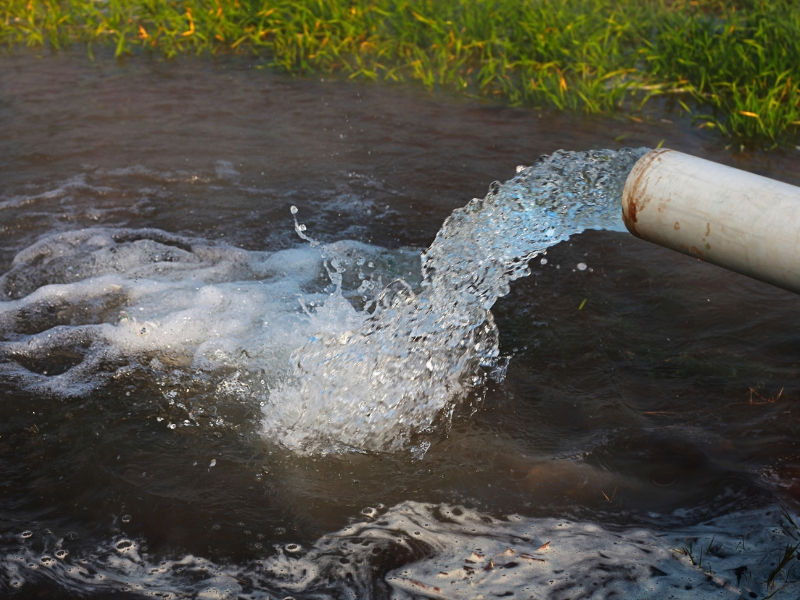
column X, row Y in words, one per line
column 734, row 65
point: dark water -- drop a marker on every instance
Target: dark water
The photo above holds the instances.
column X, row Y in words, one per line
column 647, row 389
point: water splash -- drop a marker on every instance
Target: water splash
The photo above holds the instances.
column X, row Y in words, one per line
column 373, row 367
column 81, row 309
column 382, row 380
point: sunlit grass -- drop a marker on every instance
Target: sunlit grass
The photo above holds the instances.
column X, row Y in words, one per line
column 735, row 66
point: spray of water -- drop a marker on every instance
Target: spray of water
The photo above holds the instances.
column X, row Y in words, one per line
column 373, row 367
column 386, row 376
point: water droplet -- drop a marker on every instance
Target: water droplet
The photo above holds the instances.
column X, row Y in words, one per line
column 294, row 210
column 26, row 534
column 126, row 518
column 213, row 462
column 581, row 266
column 543, row 261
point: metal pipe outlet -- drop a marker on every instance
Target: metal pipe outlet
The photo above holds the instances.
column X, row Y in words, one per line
column 731, row 218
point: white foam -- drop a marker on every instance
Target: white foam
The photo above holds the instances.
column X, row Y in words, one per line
column 106, row 297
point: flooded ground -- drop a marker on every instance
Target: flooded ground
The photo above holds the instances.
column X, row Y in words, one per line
column 645, row 392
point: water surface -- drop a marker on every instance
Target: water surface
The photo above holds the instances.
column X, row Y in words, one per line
column 662, row 401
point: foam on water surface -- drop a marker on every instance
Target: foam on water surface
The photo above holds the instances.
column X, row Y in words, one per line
column 88, row 305
column 340, row 360
column 415, row 550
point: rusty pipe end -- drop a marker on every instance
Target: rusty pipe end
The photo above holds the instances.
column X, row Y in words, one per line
column 634, row 194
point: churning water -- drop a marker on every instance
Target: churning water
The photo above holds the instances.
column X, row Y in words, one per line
column 200, row 382
column 84, row 306
column 375, row 380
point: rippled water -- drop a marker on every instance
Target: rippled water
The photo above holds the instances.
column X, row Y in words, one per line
column 626, row 405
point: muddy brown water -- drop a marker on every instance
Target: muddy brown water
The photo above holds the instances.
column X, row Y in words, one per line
column 650, row 387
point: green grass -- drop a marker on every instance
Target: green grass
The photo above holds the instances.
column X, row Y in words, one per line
column 735, row 66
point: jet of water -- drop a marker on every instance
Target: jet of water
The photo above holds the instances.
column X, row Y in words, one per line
column 382, row 380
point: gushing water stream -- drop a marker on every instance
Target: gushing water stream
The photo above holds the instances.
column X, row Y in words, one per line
column 376, row 380
column 380, row 373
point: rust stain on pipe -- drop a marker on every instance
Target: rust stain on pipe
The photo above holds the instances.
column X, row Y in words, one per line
column 694, row 251
column 634, row 197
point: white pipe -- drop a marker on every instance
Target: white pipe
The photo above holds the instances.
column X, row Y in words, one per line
column 731, row 218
